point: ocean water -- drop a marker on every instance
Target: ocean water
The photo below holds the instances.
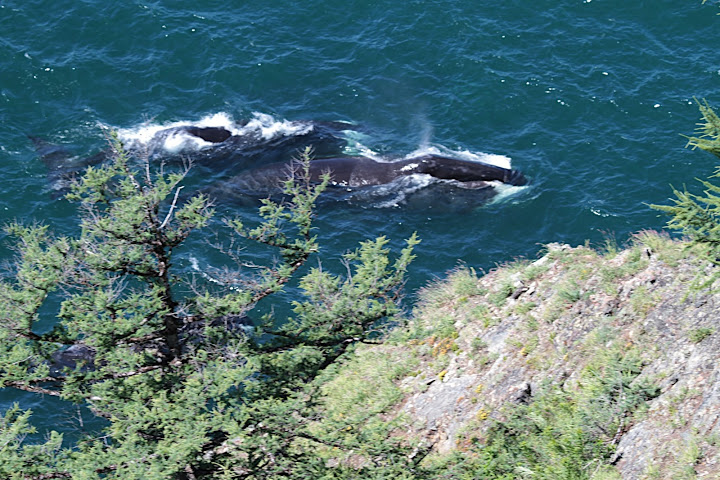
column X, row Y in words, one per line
column 588, row 98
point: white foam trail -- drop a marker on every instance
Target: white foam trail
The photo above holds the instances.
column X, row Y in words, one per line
column 142, row 134
column 195, row 265
column 602, row 213
column 501, row 161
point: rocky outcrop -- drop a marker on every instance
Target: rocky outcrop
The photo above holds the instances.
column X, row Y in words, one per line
column 487, row 344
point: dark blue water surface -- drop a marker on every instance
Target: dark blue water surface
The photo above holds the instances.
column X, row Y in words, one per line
column 588, row 98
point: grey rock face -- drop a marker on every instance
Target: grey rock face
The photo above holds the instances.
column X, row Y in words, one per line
column 573, row 303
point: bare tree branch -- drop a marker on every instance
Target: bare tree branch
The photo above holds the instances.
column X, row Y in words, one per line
column 172, row 208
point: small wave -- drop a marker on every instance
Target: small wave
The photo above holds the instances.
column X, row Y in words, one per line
column 602, row 212
column 195, row 266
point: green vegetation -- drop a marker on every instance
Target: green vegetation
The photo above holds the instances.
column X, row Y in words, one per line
column 570, row 292
column 567, row 431
column 698, row 216
column 186, row 390
column 700, row 334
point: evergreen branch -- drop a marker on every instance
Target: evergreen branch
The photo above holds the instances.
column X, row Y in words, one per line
column 139, row 371
column 708, row 138
column 48, row 476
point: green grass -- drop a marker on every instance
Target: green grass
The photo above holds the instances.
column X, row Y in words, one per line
column 699, row 334
column 501, row 294
column 524, row 307
column 570, row 292
column 642, row 301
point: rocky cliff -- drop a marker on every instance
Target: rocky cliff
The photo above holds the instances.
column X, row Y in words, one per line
column 606, row 358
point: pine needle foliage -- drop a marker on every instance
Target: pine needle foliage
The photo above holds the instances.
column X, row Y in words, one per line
column 708, row 131
column 698, row 216
column 187, row 390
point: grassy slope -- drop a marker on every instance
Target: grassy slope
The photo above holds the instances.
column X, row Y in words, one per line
column 582, row 364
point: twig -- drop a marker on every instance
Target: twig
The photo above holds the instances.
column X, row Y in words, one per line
column 29, row 388
column 172, row 207
column 190, row 473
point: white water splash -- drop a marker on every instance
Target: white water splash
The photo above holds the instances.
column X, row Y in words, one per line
column 141, row 135
column 501, row 161
column 269, row 128
column 356, row 145
column 395, row 193
column 179, row 141
column 171, row 138
column 409, row 167
column 505, row 192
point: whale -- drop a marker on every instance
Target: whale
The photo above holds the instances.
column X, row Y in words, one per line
column 253, row 158
column 219, row 150
column 348, row 171
column 361, row 171
column 241, row 144
column 351, row 173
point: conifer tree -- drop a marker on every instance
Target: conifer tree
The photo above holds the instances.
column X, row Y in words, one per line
column 188, row 390
column 698, row 216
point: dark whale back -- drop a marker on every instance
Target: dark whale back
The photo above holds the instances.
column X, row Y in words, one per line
column 356, row 171
column 465, row 170
column 362, row 171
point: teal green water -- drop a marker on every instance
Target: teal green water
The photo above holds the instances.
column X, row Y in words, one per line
column 588, row 98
